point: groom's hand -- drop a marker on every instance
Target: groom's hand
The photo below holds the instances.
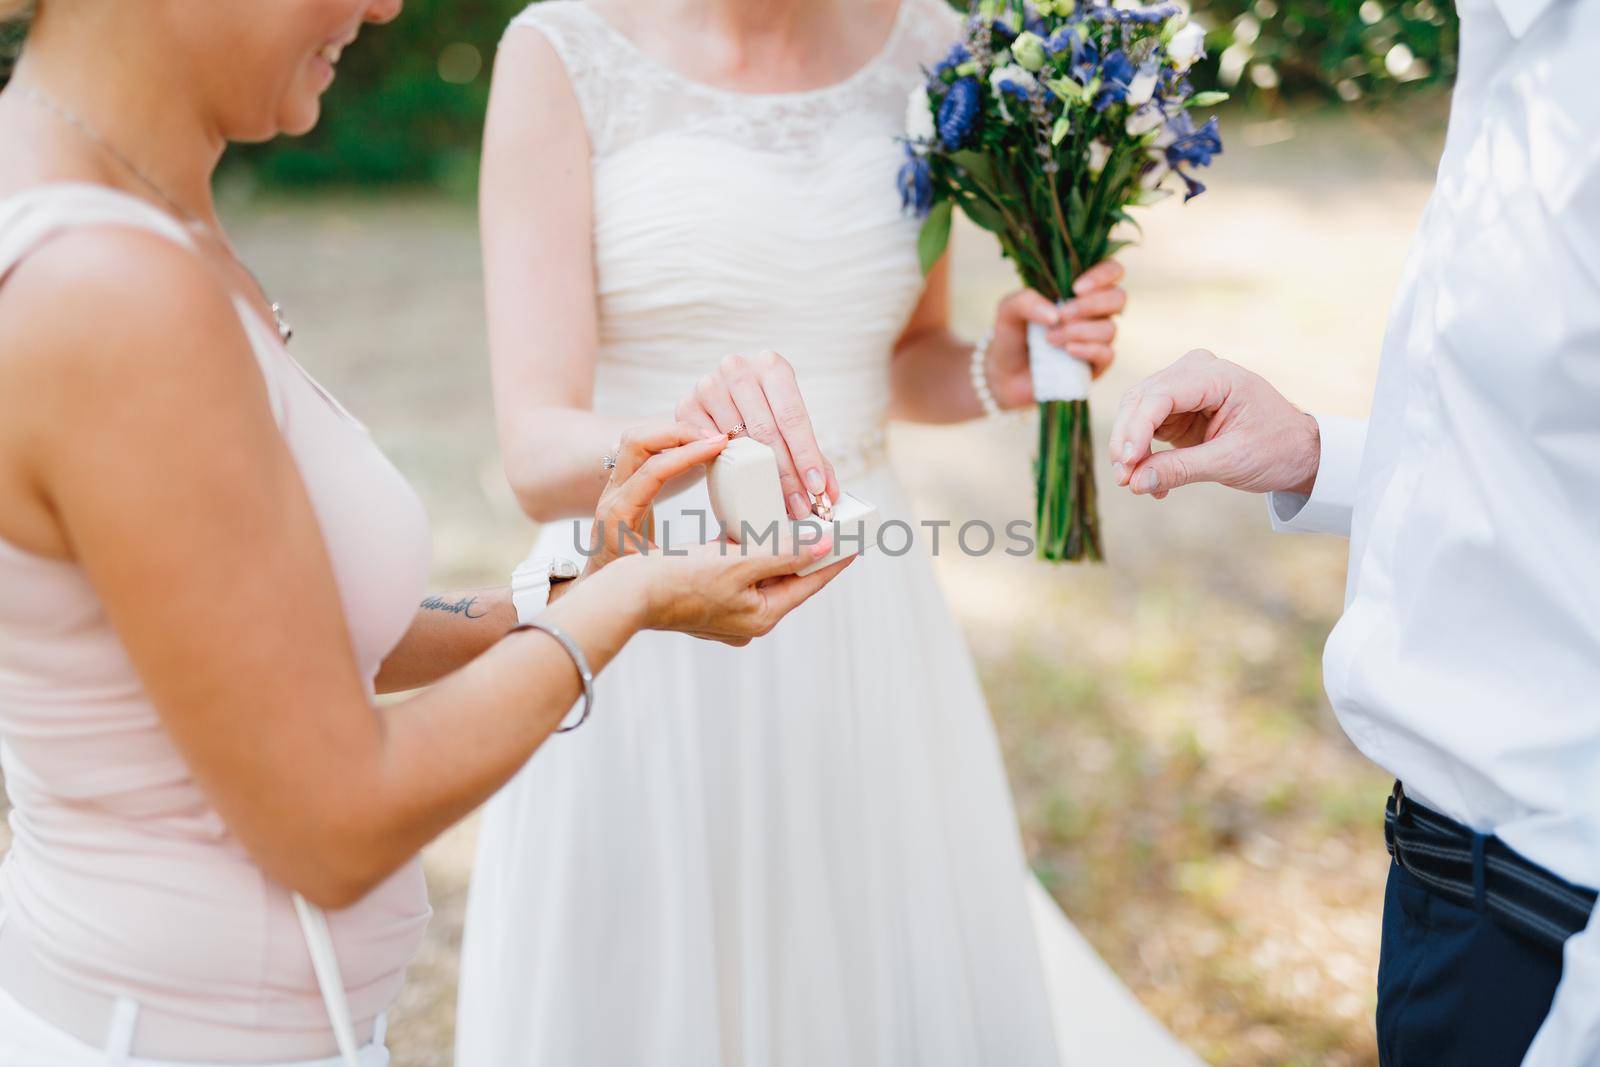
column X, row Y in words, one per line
column 1226, row 425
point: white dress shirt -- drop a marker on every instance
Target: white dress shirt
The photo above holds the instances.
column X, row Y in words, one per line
column 1467, row 662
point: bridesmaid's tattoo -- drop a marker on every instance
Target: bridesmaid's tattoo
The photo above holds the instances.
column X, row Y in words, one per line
column 462, row 607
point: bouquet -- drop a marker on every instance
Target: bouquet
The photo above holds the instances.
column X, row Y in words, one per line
column 1044, row 124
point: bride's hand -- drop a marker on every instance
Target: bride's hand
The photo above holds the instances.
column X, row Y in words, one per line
column 760, row 393
column 647, row 458
column 1085, row 326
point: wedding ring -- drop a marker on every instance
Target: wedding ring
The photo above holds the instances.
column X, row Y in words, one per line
column 821, row 508
column 736, row 431
column 609, row 461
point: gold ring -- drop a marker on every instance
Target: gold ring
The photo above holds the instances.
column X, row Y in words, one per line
column 736, row 431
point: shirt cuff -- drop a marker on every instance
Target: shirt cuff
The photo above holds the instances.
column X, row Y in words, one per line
column 1333, row 494
column 1571, row 1032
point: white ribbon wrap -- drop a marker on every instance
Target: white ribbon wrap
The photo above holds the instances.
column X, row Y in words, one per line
column 1056, row 374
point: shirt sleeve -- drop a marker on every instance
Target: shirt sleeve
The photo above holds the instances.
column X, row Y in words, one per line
column 1333, row 494
column 1571, row 1032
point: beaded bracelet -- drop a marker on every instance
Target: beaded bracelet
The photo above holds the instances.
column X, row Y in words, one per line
column 978, row 369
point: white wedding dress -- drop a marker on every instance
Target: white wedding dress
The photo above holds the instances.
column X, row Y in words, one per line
column 801, row 853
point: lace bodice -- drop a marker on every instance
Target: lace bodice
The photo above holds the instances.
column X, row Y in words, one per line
column 628, row 96
column 734, row 222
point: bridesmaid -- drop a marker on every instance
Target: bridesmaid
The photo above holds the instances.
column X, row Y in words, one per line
column 210, row 571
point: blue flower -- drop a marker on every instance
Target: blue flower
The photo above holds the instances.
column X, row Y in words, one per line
column 1116, row 73
column 1148, row 16
column 1062, row 40
column 958, row 112
column 1192, row 148
column 1013, row 89
column 916, row 184
column 1085, row 59
column 957, row 55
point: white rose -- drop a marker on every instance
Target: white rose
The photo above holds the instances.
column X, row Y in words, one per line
column 1146, row 119
column 1153, row 177
column 1187, row 45
column 1013, row 73
column 1099, row 155
column 1016, row 76
column 1143, row 87
column 919, row 117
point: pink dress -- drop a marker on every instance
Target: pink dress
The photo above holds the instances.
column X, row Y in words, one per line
column 122, row 882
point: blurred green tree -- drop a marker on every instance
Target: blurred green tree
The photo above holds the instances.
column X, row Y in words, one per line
column 1350, row 49
column 408, row 104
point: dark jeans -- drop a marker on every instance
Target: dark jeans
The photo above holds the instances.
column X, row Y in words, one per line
column 1455, row 987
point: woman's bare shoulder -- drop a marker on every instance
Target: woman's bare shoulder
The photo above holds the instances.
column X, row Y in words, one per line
column 112, row 299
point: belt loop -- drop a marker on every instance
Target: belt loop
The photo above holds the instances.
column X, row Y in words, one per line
column 119, row 1035
column 1479, row 895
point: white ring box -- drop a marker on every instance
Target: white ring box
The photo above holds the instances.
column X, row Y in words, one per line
column 746, row 496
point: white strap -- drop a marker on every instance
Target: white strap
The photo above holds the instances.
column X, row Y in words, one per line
column 29, row 218
column 319, row 941
column 119, row 1035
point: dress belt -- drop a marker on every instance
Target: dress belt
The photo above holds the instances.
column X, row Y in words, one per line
column 88, row 1016
column 1480, row 871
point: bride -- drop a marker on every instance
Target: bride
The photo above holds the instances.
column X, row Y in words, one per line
column 802, row 852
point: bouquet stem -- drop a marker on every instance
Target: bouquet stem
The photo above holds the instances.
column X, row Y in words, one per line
column 1068, row 521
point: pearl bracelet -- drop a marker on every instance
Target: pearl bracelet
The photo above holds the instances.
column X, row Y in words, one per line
column 978, row 369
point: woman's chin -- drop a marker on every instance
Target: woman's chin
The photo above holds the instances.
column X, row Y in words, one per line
column 304, row 120
column 299, row 115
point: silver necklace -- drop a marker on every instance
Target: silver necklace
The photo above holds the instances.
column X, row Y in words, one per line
column 189, row 219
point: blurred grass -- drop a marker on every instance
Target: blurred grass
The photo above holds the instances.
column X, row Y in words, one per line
column 1183, row 788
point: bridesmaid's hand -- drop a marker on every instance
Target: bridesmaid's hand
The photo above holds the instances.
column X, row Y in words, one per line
column 647, row 458
column 760, row 393
column 722, row 592
column 1085, row 326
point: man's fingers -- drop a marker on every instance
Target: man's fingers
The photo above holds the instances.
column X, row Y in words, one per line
column 1136, row 427
column 641, row 442
column 1163, row 472
column 794, row 423
column 1197, row 382
column 1100, row 276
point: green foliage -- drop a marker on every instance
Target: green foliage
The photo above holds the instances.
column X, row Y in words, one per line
column 407, row 106
column 11, row 34
column 1349, row 49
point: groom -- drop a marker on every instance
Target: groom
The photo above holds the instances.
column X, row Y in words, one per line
column 1468, row 658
